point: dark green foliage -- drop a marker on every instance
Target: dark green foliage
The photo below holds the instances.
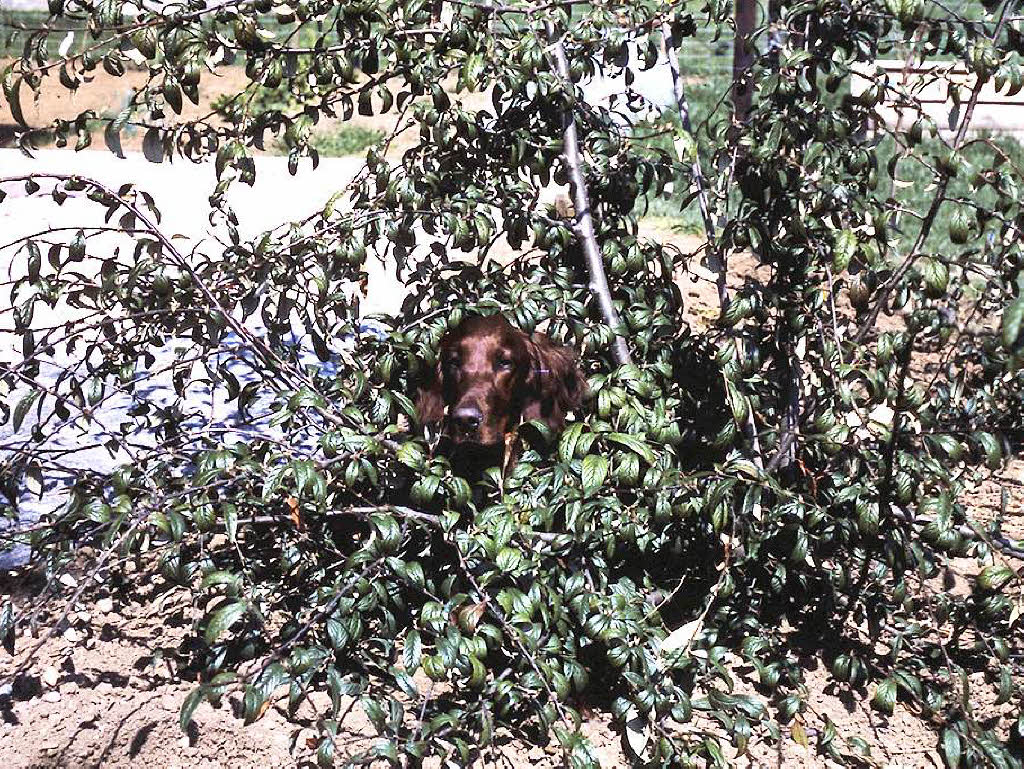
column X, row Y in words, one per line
column 794, row 474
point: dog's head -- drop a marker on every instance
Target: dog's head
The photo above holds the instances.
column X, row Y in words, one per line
column 490, row 376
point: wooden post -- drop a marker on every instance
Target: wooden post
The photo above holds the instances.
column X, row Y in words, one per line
column 743, row 58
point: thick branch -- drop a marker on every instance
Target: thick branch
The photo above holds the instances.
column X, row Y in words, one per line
column 584, row 225
column 743, row 59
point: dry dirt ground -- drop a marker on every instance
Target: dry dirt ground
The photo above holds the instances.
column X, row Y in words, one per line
column 106, row 691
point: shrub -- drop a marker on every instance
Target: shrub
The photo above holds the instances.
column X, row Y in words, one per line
column 793, row 474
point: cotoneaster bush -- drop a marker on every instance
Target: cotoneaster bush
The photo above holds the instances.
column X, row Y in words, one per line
column 792, row 476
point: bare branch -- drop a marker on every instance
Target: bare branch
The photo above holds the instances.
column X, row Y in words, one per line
column 716, row 260
column 584, row 226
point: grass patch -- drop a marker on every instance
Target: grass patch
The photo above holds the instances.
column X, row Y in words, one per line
column 346, row 140
column 916, row 189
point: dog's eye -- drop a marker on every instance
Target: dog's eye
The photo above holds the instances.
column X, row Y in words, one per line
column 506, row 363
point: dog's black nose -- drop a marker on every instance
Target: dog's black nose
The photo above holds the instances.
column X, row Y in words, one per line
column 467, row 419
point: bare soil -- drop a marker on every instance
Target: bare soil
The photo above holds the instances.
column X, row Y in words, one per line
column 106, row 692
column 108, row 689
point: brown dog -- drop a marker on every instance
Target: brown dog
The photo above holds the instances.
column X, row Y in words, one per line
column 490, row 376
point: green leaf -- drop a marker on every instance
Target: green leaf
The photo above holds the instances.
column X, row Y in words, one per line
column 959, row 227
column 1013, row 316
column 738, row 403
column 595, row 471
column 478, row 676
column 365, row 105
column 714, row 751
column 390, row 531
column 994, row 577
column 936, row 277
column 1005, row 685
column 509, row 560
column 223, row 619
column 22, row 408
column 220, row 577
column 884, row 699
column 273, row 481
column 460, row 490
column 112, row 137
column 567, row 443
column 7, row 626
column 11, row 87
column 172, row 95
column 153, row 146
column 424, row 489
column 252, row 703
column 325, row 753
column 414, row 574
column 94, row 391
column 951, row 748
column 76, row 249
column 635, row 444
column 992, row 448
column 411, row 455
column 335, row 685
column 188, row 707
column 412, row 651
column 844, row 246
column 337, row 634
column 305, row 473
column 374, row 712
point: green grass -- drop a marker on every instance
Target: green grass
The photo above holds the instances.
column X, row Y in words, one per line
column 346, row 140
column 917, row 189
column 706, row 68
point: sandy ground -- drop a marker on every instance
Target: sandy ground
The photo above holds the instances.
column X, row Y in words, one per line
column 106, row 692
column 112, row 698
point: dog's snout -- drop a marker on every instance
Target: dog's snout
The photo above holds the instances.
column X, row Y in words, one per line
column 467, row 419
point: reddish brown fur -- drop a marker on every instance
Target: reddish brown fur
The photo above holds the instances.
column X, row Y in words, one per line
column 497, row 374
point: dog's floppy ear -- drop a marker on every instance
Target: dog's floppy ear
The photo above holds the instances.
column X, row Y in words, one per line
column 430, row 397
column 557, row 385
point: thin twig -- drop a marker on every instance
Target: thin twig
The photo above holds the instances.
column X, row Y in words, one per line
column 716, row 259
column 937, row 200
